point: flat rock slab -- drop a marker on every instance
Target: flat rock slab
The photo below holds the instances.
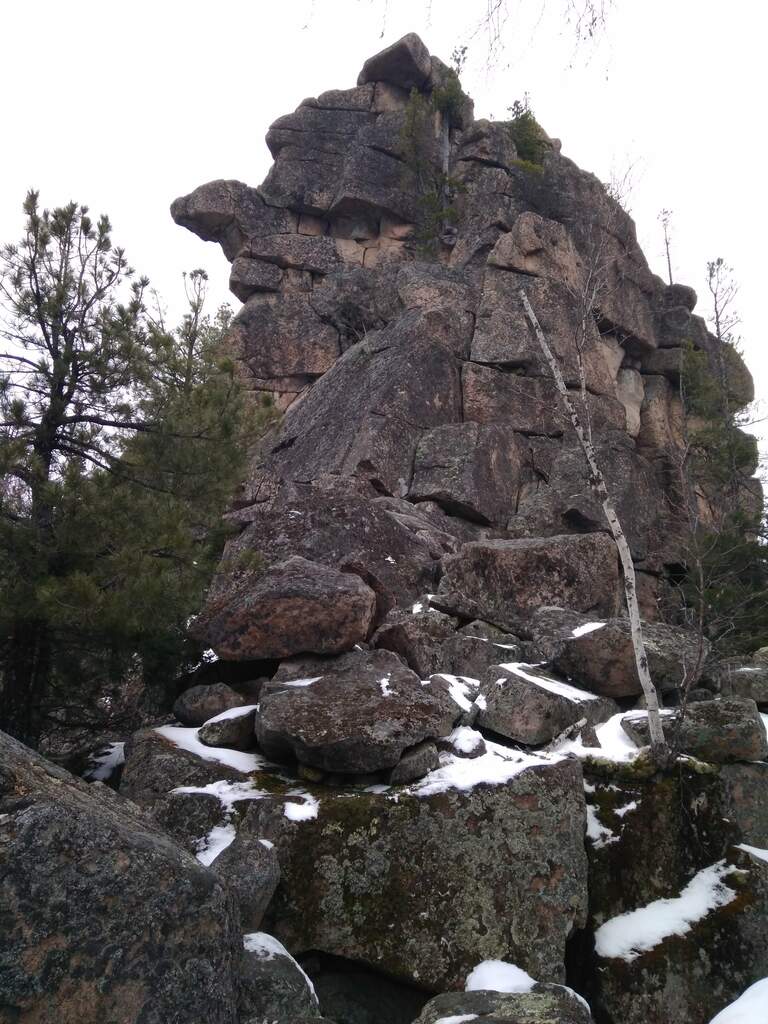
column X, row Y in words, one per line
column 356, row 718
column 105, row 918
column 722, row 731
column 527, row 705
column 506, row 581
column 294, row 606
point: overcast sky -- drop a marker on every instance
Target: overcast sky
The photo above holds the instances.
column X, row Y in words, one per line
column 124, row 106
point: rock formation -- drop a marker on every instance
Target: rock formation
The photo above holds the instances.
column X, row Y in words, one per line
column 422, row 595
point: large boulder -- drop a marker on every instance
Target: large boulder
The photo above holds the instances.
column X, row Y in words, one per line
column 356, row 718
column 599, row 655
column 496, row 869
column 144, row 931
column 405, row 63
column 293, row 606
column 506, row 581
column 528, row 706
column 722, row 731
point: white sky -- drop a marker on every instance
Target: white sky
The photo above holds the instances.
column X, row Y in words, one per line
column 124, row 106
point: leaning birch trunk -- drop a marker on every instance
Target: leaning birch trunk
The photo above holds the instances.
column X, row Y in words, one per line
column 597, row 480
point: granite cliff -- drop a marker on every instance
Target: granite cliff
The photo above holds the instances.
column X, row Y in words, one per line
column 418, row 749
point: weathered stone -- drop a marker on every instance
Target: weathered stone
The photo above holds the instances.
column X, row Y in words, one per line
column 273, row 986
column 528, row 706
column 331, row 522
column 365, row 416
column 503, row 863
column 543, row 1004
column 529, row 404
column 200, row 703
column 715, row 730
column 469, row 469
column 602, row 659
column 358, row 717
column 230, row 213
column 144, row 928
column 414, row 764
column 319, row 255
column 250, row 276
column 475, row 647
column 555, row 499
column 487, row 142
column 230, row 729
column 417, row 634
column 250, row 867
column 405, row 63
column 356, row 300
column 283, row 339
column 739, row 678
column 662, row 424
column 359, row 98
column 542, row 248
column 293, row 606
column 630, row 391
column 503, row 335
column 505, row 581
column 647, row 839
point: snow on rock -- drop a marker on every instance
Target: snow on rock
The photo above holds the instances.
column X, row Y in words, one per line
column 460, row 689
column 267, row 947
column 498, row 976
column 615, row 745
column 597, row 832
column 187, row 739
column 631, row 806
column 630, row 935
column 302, row 682
column 756, row 852
column 498, row 765
column 209, row 846
column 456, row 1018
column 587, row 627
column 465, row 740
column 519, row 668
column 385, row 688
column 750, row 1008
column 104, row 762
column 305, row 811
column 224, row 716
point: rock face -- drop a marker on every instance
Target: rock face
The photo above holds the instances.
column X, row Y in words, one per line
column 544, row 1004
column 104, row 917
column 416, row 534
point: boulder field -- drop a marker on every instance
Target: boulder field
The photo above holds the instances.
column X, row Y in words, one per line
column 424, row 794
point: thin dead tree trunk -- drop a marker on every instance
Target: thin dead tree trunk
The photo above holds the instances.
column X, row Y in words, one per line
column 597, row 480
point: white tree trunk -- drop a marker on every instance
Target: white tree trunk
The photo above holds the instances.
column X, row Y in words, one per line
column 597, row 480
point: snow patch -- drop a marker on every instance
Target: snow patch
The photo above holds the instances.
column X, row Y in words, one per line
column 104, row 762
column 587, row 627
column 615, row 745
column 186, row 739
column 465, row 739
column 599, row 833
column 750, row 1008
column 385, row 688
column 209, row 846
column 418, row 607
column 754, row 850
column 460, row 689
column 571, row 693
column 301, row 811
column 457, row 1018
column 498, row 976
column 303, row 682
column 498, row 765
column 631, row 806
column 267, row 843
column 217, row 840
column 629, row 935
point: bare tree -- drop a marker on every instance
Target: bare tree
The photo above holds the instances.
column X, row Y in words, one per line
column 597, row 482
column 665, row 219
